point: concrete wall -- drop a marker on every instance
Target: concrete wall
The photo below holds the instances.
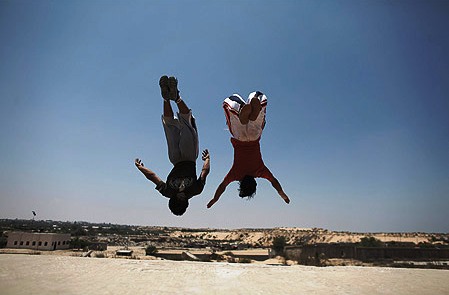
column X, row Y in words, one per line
column 371, row 254
column 38, row 241
column 208, row 256
column 313, row 253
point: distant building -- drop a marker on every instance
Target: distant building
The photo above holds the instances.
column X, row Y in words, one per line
column 38, row 241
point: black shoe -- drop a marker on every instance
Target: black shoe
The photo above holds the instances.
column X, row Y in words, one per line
column 165, row 91
column 173, row 88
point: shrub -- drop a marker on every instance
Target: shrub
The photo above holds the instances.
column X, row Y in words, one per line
column 245, row 260
column 150, row 250
column 3, row 242
column 279, row 244
column 371, row 242
column 215, row 256
column 78, row 243
column 100, row 255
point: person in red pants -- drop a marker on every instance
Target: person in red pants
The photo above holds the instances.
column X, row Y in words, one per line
column 246, row 121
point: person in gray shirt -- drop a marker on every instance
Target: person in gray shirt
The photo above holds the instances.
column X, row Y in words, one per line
column 183, row 148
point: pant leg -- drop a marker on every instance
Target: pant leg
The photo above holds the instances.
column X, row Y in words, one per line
column 172, row 130
column 255, row 128
column 232, row 106
column 188, row 143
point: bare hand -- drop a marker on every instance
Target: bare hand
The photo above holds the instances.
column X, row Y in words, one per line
column 285, row 197
column 211, row 202
column 138, row 163
column 205, row 155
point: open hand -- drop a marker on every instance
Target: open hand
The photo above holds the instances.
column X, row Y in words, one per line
column 205, row 155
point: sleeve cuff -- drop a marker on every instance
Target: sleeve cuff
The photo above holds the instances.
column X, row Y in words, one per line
column 160, row 186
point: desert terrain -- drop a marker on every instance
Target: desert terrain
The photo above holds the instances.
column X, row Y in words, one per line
column 57, row 274
column 79, row 270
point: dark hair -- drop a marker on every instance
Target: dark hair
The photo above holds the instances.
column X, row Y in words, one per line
column 247, row 187
column 178, row 206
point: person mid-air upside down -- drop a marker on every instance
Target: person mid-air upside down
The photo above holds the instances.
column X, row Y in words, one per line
column 246, row 122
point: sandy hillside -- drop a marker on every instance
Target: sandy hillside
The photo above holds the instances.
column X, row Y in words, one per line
column 264, row 237
column 48, row 274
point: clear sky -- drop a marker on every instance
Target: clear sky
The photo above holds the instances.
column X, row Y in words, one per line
column 357, row 121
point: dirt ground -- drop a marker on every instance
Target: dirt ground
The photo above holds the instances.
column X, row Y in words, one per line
column 57, row 274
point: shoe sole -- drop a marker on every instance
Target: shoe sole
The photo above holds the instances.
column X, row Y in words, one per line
column 165, row 90
column 173, row 88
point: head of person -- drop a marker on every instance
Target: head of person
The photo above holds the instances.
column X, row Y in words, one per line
column 247, row 187
column 178, row 204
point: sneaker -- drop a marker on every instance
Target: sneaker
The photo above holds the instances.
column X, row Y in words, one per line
column 165, row 91
column 173, row 88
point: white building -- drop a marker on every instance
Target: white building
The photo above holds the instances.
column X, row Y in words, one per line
column 38, row 241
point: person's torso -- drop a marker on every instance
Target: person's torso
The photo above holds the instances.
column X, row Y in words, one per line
column 182, row 178
column 247, row 157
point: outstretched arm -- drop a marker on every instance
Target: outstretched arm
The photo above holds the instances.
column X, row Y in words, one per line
column 277, row 186
column 206, row 165
column 220, row 190
column 150, row 175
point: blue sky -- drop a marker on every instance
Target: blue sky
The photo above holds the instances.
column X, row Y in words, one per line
column 357, row 121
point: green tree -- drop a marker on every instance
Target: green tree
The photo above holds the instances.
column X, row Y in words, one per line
column 150, row 250
column 78, row 243
column 279, row 244
column 371, row 242
column 77, row 230
column 3, row 242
